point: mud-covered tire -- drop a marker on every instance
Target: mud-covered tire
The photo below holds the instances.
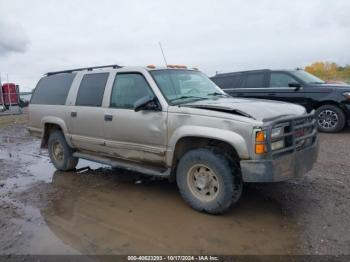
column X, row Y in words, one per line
column 228, row 181
column 333, row 112
column 60, row 153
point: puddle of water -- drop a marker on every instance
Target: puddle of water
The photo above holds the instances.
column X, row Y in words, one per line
column 14, row 139
column 104, row 215
column 103, row 211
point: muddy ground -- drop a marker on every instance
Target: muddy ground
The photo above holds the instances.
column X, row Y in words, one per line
column 105, row 211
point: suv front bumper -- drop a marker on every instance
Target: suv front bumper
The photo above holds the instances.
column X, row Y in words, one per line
column 283, row 167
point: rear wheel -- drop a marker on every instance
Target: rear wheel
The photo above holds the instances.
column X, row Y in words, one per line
column 208, row 181
column 330, row 118
column 60, row 153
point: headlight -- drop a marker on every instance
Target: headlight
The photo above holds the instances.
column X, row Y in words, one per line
column 347, row 95
column 276, row 132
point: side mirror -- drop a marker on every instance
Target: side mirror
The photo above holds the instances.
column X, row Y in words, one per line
column 296, row 85
column 147, row 103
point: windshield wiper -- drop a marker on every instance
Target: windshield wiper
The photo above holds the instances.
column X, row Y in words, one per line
column 185, row 97
column 218, row 94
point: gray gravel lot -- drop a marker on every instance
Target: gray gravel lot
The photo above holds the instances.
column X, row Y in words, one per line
column 105, row 211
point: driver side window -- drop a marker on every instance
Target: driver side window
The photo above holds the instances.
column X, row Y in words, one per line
column 127, row 89
column 281, row 80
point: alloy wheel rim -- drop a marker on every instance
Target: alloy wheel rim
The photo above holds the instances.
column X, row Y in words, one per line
column 203, row 182
column 327, row 119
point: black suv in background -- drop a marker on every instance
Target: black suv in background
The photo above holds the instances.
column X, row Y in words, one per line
column 331, row 102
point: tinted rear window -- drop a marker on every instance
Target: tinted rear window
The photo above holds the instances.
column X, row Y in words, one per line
column 52, row 90
column 91, row 89
column 254, row 80
column 226, row 82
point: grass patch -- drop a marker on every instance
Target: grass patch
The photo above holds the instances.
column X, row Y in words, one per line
column 13, row 119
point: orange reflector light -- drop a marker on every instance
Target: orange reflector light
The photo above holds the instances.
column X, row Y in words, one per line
column 260, row 136
column 171, row 66
column 260, row 149
column 151, row 66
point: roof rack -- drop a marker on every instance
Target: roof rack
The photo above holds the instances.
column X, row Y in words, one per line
column 82, row 69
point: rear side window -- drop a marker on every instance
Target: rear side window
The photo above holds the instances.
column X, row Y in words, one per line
column 226, row 82
column 254, row 81
column 52, row 90
column 91, row 89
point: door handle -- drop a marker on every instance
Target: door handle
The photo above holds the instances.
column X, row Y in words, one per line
column 73, row 114
column 271, row 94
column 108, row 117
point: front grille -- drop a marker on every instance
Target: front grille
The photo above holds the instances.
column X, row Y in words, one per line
column 299, row 133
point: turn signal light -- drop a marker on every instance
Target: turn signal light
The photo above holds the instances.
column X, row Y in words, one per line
column 151, row 66
column 260, row 146
column 260, row 136
column 260, row 149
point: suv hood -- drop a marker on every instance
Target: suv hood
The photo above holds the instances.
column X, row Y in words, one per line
column 341, row 86
column 335, row 87
column 259, row 109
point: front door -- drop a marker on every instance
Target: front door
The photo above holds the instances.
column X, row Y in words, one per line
column 280, row 89
column 136, row 136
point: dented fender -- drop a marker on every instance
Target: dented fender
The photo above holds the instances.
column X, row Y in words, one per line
column 230, row 137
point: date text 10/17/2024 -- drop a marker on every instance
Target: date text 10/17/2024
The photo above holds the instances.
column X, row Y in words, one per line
column 172, row 258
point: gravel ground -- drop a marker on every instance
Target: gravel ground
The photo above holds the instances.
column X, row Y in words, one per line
column 102, row 211
column 321, row 201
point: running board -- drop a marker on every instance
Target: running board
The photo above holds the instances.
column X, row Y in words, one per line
column 124, row 165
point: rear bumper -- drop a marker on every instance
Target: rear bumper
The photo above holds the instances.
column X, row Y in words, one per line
column 292, row 165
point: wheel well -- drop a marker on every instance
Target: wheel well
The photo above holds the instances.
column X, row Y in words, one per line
column 322, row 103
column 330, row 102
column 48, row 128
column 186, row 144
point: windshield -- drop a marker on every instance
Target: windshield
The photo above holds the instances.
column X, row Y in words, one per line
column 307, row 77
column 183, row 86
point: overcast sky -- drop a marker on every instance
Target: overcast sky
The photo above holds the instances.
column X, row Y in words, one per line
column 41, row 36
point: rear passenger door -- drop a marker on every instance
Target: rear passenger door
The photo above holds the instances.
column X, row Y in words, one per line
column 136, row 136
column 86, row 117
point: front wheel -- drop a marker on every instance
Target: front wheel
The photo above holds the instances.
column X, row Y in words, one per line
column 330, row 118
column 208, row 181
